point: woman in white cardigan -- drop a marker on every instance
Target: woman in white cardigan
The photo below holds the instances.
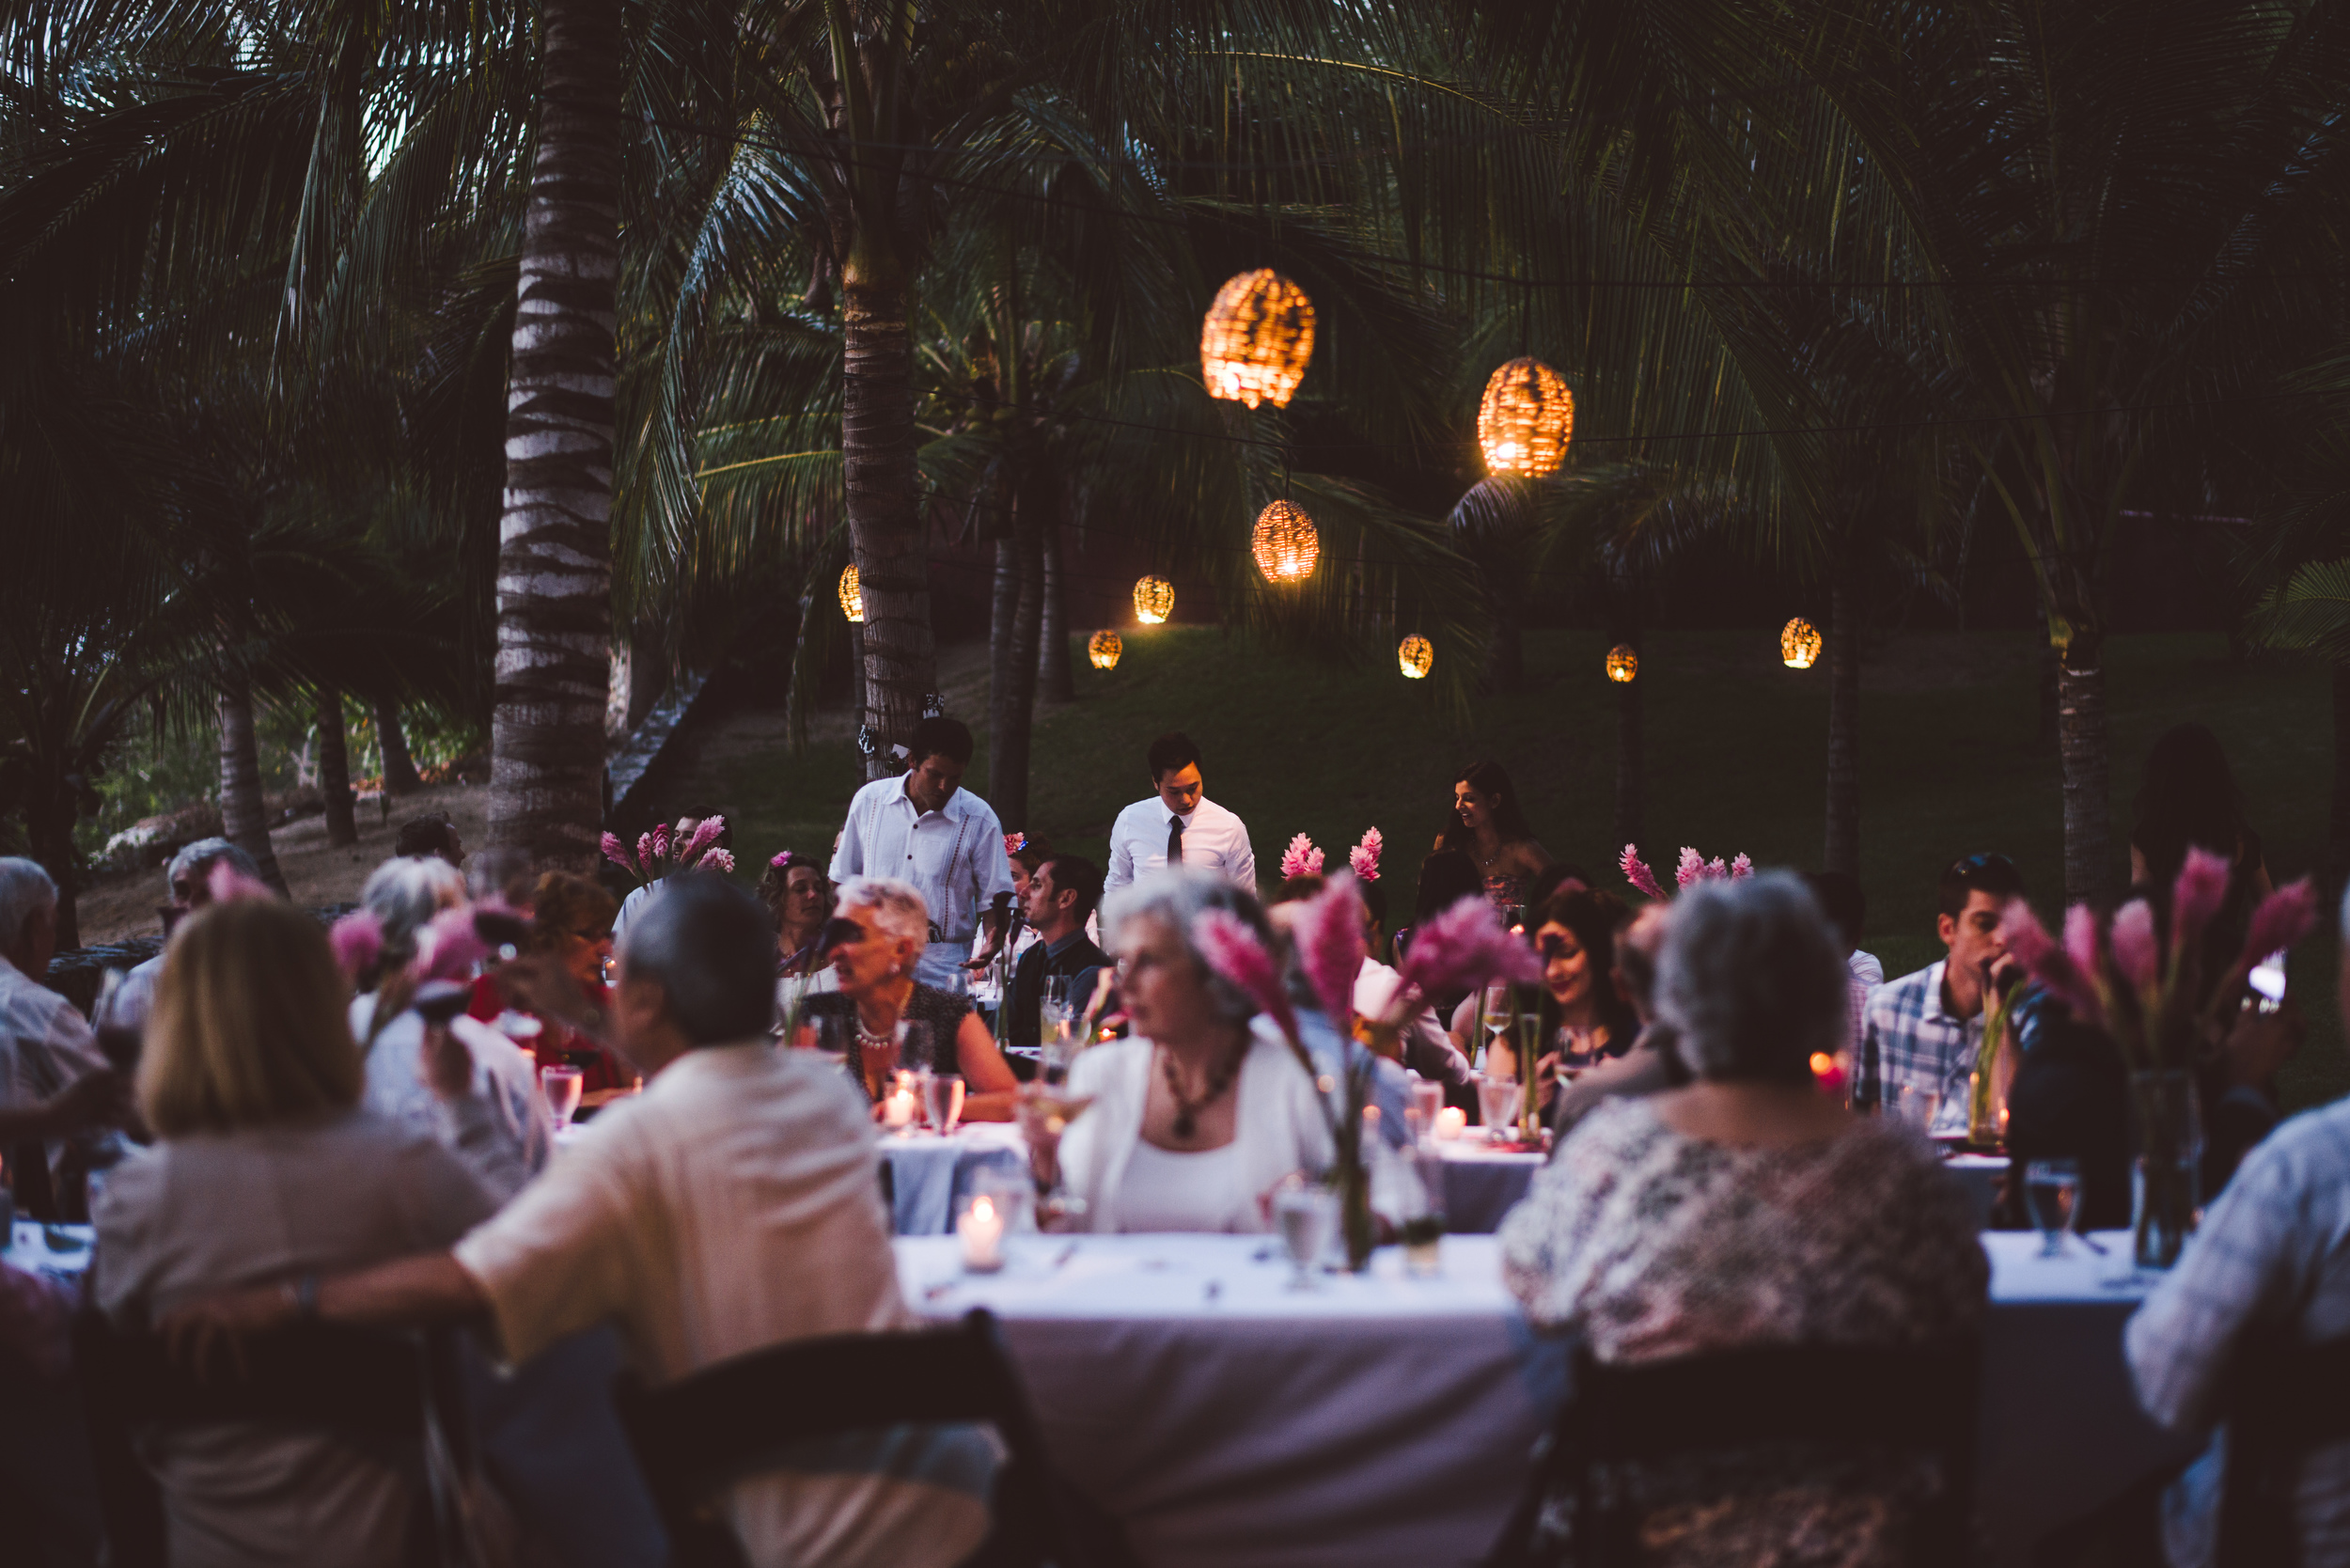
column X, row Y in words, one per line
column 1198, row 1117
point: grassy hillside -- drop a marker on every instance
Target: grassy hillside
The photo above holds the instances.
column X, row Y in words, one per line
column 1736, row 747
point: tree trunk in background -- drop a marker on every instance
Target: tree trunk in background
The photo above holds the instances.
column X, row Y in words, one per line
column 1843, row 852
column 50, row 810
column 2045, row 670
column 856, row 671
column 2083, row 747
column 1011, row 702
column 243, row 819
column 2337, row 835
column 554, row 571
column 885, row 520
column 1056, row 681
column 1629, row 760
column 400, row 771
column 334, row 768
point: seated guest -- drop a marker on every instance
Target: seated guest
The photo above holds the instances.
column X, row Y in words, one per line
column 434, row 837
column 885, row 930
column 1584, row 1018
column 798, row 895
column 267, row 1168
column 1026, row 853
column 464, row 1083
column 728, row 1208
column 188, row 878
column 1747, row 1209
column 1063, row 895
column 56, row 1090
column 1922, row 1032
column 1197, row 1118
column 1651, row 1065
column 571, row 924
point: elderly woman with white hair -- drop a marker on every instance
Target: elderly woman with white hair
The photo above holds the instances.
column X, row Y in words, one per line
column 879, row 931
column 1196, row 1120
column 1749, row 1209
column 463, row 1082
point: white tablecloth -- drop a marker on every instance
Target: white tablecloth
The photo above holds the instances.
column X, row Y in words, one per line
column 31, row 1251
column 927, row 1173
column 1230, row 1420
column 1482, row 1182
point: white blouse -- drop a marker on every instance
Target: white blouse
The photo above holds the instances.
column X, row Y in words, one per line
column 1165, row 1190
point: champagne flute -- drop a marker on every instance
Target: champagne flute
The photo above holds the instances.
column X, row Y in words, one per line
column 1497, row 1014
column 561, row 1087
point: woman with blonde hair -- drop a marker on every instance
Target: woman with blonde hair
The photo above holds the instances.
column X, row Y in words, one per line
column 267, row 1168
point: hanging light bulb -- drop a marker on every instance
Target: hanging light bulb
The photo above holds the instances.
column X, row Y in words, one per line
column 1103, row 648
column 852, row 596
column 1799, row 644
column 1525, row 420
column 1154, row 600
column 1257, row 339
column 1285, row 543
column 1624, row 664
column 1414, row 656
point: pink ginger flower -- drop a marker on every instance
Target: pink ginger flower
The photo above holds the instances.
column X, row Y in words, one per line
column 1742, row 867
column 1692, row 869
column 2136, row 951
column 228, row 884
column 1364, row 857
column 717, row 860
column 2282, row 919
column 2195, row 898
column 2030, row 943
column 1330, row 938
column 1464, row 948
column 706, row 833
column 1717, row 870
column 1301, row 858
column 659, row 843
column 1636, row 873
column 644, row 855
column 616, row 852
column 2083, row 942
column 448, row 947
column 357, row 940
column 1240, row 955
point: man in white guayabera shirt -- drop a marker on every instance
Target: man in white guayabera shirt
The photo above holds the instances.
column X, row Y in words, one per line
column 924, row 827
column 729, row 1207
column 1179, row 825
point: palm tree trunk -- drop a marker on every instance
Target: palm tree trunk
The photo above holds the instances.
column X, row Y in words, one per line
column 243, row 817
column 554, row 572
column 400, row 770
column 1011, row 702
column 2338, row 835
column 1630, row 762
column 1056, row 681
column 1842, row 853
column 49, row 813
column 2088, row 763
column 334, row 768
column 884, row 521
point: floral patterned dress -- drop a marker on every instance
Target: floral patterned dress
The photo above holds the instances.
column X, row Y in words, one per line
column 1652, row 1246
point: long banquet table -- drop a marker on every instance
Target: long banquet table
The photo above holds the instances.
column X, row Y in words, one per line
column 1231, row 1420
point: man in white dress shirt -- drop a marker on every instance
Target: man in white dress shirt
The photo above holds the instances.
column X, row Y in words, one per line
column 1179, row 825
column 924, row 827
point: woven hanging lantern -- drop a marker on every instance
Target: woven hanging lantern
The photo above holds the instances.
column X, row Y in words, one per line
column 1415, row 657
column 852, row 596
column 1154, row 600
column 1103, row 648
column 1285, row 543
column 1624, row 664
column 1525, row 420
column 1799, row 644
column 1257, row 339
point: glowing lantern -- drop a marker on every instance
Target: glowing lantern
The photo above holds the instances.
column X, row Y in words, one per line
column 1285, row 543
column 1525, row 420
column 1104, row 648
column 1799, row 644
column 1259, row 335
column 1415, row 657
column 852, row 596
column 1624, row 664
column 1154, row 600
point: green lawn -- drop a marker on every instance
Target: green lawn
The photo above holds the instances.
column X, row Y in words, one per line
column 1736, row 746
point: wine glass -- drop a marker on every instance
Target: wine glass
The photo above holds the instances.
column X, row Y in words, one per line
column 1044, row 1112
column 1307, row 1214
column 1497, row 1014
column 942, row 1097
column 1497, row 1108
column 561, row 1087
column 2052, row 1192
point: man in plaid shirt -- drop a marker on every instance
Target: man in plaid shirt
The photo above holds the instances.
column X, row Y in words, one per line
column 1922, row 1029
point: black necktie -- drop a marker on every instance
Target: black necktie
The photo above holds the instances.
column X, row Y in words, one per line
column 1174, row 840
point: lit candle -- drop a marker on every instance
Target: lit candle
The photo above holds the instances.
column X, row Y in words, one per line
column 1449, row 1123
column 982, row 1231
column 897, row 1110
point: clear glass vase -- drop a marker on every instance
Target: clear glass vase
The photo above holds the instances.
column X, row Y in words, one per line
column 2166, row 1172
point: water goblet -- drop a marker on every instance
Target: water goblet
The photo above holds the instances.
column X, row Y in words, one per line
column 561, row 1087
column 1497, row 1108
column 1307, row 1215
column 942, row 1097
column 2052, row 1192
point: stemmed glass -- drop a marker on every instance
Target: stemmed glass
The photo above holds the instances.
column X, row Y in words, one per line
column 942, row 1098
column 2052, row 1192
column 1498, row 1015
column 1307, row 1214
column 561, row 1085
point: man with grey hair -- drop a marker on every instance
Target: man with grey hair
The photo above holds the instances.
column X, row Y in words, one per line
column 54, row 1085
column 188, row 878
column 728, row 1208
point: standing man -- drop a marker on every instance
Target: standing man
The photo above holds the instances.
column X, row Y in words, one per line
column 1179, row 825
column 1061, row 897
column 924, row 827
column 1923, row 1029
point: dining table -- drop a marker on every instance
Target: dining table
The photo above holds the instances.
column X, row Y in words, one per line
column 1189, row 1385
